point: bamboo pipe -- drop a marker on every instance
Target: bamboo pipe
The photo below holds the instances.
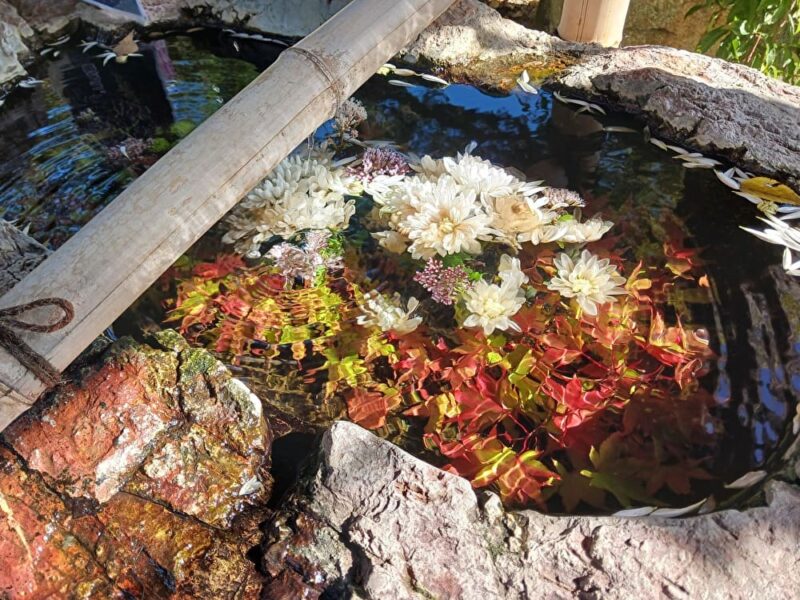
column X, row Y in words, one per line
column 125, row 248
column 598, row 21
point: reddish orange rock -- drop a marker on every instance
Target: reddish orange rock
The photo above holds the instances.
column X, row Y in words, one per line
column 91, row 437
column 146, row 480
column 39, row 554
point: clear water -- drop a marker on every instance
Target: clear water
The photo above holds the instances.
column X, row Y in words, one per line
column 60, row 157
column 60, row 164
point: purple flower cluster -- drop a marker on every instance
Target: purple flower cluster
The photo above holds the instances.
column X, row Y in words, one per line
column 443, row 282
column 380, row 161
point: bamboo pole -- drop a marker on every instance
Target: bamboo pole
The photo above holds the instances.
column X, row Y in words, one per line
column 598, row 21
column 126, row 247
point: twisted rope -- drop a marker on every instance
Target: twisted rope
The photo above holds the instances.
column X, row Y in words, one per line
column 16, row 346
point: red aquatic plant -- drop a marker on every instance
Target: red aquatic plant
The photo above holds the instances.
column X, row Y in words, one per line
column 583, row 406
column 573, row 410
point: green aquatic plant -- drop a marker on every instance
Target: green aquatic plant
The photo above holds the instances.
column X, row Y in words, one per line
column 180, row 129
column 160, row 145
column 240, row 310
column 764, row 34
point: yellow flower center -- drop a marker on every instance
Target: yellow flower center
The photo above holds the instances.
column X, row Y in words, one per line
column 447, row 226
column 582, row 286
column 493, row 308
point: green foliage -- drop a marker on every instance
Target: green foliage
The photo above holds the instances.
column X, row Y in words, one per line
column 160, row 145
column 180, row 129
column 764, row 34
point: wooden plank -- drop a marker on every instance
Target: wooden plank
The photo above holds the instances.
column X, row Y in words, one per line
column 125, row 248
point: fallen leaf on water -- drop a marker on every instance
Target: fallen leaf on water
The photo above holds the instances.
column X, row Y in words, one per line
column 671, row 513
column 434, row 79
column 126, row 46
column 728, row 180
column 630, row 513
column 769, row 189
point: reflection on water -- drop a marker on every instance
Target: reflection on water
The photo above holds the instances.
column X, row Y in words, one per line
column 72, row 145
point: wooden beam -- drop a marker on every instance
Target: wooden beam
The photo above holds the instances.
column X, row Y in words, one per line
column 125, row 248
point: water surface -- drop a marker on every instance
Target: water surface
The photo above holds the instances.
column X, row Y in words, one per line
column 71, row 145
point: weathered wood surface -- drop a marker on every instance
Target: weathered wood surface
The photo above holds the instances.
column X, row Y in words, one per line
column 125, row 248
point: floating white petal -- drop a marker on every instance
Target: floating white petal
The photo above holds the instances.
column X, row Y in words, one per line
column 747, row 480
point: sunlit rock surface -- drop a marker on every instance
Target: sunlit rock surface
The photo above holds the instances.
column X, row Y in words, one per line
column 722, row 108
column 149, row 477
column 372, row 518
column 523, row 11
column 13, row 50
column 474, row 42
column 708, row 104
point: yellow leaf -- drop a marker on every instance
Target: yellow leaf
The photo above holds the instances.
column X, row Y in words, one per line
column 771, row 190
column 126, row 46
column 298, row 350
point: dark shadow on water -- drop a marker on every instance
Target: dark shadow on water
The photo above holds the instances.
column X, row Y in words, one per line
column 290, row 454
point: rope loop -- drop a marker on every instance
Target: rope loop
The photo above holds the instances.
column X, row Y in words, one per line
column 19, row 349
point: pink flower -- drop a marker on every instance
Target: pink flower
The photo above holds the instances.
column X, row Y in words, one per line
column 444, row 283
column 380, row 161
column 305, row 262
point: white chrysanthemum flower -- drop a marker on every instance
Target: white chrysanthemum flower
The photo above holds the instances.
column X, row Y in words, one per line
column 510, row 271
column 519, row 218
column 472, row 173
column 301, row 193
column 590, row 280
column 400, row 201
column 571, row 231
column 299, row 212
column 427, row 167
column 392, row 241
column 492, row 306
column 447, row 222
column 481, row 176
column 388, row 314
column 380, row 185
